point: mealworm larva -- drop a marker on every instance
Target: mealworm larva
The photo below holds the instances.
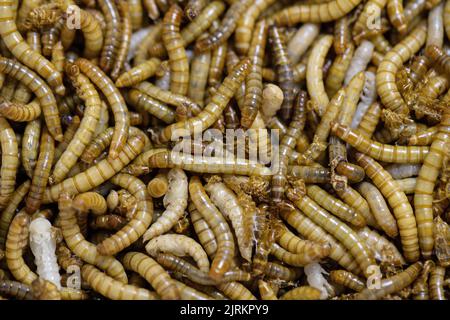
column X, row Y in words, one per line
column 403, row 170
column 335, row 206
column 158, row 186
column 140, row 221
column 368, row 97
column 144, row 102
column 423, row 193
column 109, row 222
column 435, row 34
column 136, row 14
column 253, row 84
column 342, row 35
column 370, row 120
column 200, row 67
column 211, row 112
column 20, row 112
column 125, row 39
column 396, row 15
column 360, row 60
column 302, row 293
column 10, row 161
column 309, row 252
column 40, row 89
column 81, row 247
column 392, row 61
column 436, row 285
column 112, row 34
column 310, row 174
column 115, row 100
column 288, row 142
column 114, row 289
column 16, row 289
column 204, row 232
column 85, row 132
column 347, row 279
column 97, row 174
column 379, row 208
column 338, row 70
column 179, row 65
column 194, row 7
column 22, row 51
column 72, row 127
column 140, row 42
column 227, row 26
column 236, row 291
column 179, row 245
column 392, row 284
column 85, row 202
column 301, row 41
column 378, row 151
column 265, row 291
column 225, row 244
column 423, row 138
column 153, row 273
column 314, row 74
column 399, row 203
column 175, row 201
column 41, row 172
column 66, row 258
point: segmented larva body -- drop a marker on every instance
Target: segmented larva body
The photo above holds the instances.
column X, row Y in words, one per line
column 141, row 220
column 72, row 127
column 403, row 170
column 204, row 232
column 112, row 34
column 253, row 82
column 10, row 161
column 337, row 71
column 301, row 41
column 179, row 245
column 360, row 60
column 379, row 151
column 179, row 65
column 92, row 34
column 153, row 273
column 158, row 109
column 392, row 284
column 310, row 253
column 423, row 138
column 212, row 111
column 314, row 73
column 114, row 289
column 115, row 100
column 175, row 201
column 20, row 112
column 423, row 194
column 194, row 7
column 302, row 293
column 396, row 15
column 41, row 172
column 265, row 291
column 85, row 202
column 347, row 279
column 372, row 10
column 379, row 208
column 393, row 60
column 83, row 248
column 16, row 290
column 85, row 132
column 97, row 174
column 125, row 39
column 200, row 67
column 369, row 120
column 435, row 34
column 236, row 291
column 399, row 203
column 40, row 89
column 342, row 35
column 436, row 281
column 368, row 97
column 310, row 174
column 22, row 51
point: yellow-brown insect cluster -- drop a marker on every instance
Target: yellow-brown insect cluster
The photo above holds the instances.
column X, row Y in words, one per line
column 99, row 99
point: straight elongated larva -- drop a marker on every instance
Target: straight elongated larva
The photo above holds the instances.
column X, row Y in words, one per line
column 310, row 174
column 397, row 200
column 379, row 151
column 179, row 65
column 115, row 100
column 40, row 89
column 212, row 111
column 97, row 174
column 200, row 67
column 112, row 34
column 301, row 41
column 302, row 293
column 204, row 232
column 72, row 127
column 141, row 220
column 392, row 284
column 144, row 102
column 423, row 138
column 125, row 39
column 114, row 289
column 347, row 279
column 392, row 61
column 436, row 285
column 360, row 60
column 22, row 51
column 403, row 170
column 370, row 120
column 41, row 172
column 338, row 70
column 10, row 161
column 314, row 73
column 139, row 73
column 83, row 248
column 153, row 273
column 16, row 290
column 436, row 26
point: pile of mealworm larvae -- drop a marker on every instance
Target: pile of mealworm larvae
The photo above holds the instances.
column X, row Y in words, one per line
column 97, row 97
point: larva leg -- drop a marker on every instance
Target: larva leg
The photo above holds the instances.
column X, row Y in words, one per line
column 10, row 161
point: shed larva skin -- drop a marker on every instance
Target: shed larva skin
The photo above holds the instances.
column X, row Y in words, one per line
column 22, row 51
column 392, row 284
column 179, row 64
column 379, row 208
column 302, row 293
column 138, row 73
column 20, row 112
column 10, row 209
column 175, row 201
column 179, row 245
column 17, row 290
column 97, row 174
column 423, row 193
column 141, row 220
column 204, row 232
column 399, row 203
column 236, row 291
column 396, row 15
column 347, row 279
column 284, row 71
column 393, row 60
column 338, row 70
column 378, row 151
column 83, row 248
column 436, row 283
column 112, row 34
column 420, row 288
column 16, row 241
column 41, row 172
column 314, row 232
column 10, row 162
column 223, row 258
column 335, row 227
column 438, row 57
column 115, row 100
column 144, row 102
column 85, row 132
column 153, row 273
column 316, row 13
column 211, row 112
column 227, row 27
column 265, row 291
column 314, row 73
column 288, row 143
column 40, row 89
column 423, row 138
column 113, row 289
column 335, row 206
